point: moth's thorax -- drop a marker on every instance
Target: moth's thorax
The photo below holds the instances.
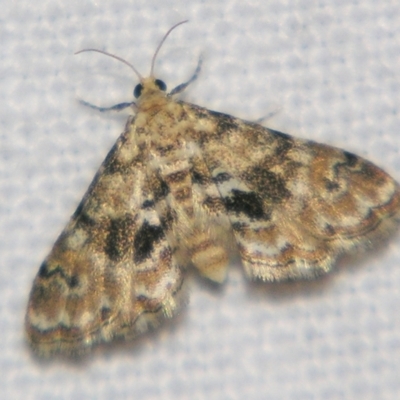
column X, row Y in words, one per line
column 160, row 123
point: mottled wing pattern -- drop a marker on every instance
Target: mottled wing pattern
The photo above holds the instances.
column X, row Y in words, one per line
column 184, row 186
column 294, row 205
column 111, row 272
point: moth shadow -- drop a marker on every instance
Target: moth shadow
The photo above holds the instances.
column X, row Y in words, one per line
column 131, row 347
column 151, row 339
column 278, row 292
column 290, row 290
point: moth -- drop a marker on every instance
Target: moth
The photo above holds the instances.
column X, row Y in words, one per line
column 186, row 187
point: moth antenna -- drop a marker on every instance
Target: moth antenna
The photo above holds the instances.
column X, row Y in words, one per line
column 161, row 43
column 117, row 58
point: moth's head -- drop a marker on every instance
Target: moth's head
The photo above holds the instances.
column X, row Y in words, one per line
column 149, row 86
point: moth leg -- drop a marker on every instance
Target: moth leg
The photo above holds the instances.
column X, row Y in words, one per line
column 116, row 107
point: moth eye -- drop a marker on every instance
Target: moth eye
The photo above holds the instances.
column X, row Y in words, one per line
column 138, row 90
column 161, row 85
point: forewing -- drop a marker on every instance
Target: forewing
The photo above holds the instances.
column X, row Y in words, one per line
column 111, row 272
column 294, row 205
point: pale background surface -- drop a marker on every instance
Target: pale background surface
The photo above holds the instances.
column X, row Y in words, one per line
column 330, row 69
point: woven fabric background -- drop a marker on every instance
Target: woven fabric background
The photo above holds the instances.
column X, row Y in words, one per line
column 326, row 70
